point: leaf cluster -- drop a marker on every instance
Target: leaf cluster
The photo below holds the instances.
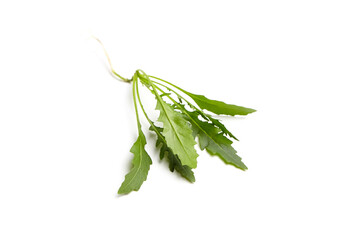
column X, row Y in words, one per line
column 183, row 123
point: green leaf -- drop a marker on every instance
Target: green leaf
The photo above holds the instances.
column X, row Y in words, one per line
column 211, row 139
column 174, row 161
column 202, row 114
column 214, row 106
column 207, row 117
column 221, row 126
column 177, row 133
column 219, row 107
column 141, row 165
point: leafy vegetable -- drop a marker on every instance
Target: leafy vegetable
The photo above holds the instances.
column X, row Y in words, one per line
column 177, row 133
column 174, row 161
column 141, row 162
column 214, row 106
column 221, row 126
column 215, row 142
column 182, row 122
column 219, row 107
column 141, row 165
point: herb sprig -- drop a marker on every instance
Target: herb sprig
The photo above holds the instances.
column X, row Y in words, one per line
column 182, row 122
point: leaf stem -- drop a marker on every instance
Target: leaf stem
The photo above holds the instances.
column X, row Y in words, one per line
column 145, row 114
column 173, row 100
column 152, row 86
column 135, row 79
column 170, row 84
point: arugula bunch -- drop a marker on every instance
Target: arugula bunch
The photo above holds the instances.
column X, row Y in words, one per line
column 182, row 122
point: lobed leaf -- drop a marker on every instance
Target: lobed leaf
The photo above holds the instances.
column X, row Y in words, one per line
column 211, row 139
column 141, row 165
column 177, row 133
column 174, row 161
column 217, row 123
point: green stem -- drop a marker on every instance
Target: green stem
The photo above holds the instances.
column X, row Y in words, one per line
column 179, row 96
column 156, row 87
column 173, row 100
column 145, row 114
column 135, row 79
column 186, row 92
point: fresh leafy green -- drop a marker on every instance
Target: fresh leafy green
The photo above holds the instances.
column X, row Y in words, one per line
column 215, row 142
column 141, row 161
column 213, row 106
column 212, row 139
column 219, row 107
column 182, row 122
column 217, row 123
column 177, row 131
column 174, row 161
column 214, row 121
column 141, row 165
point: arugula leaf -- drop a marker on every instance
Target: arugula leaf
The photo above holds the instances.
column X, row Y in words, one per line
column 219, row 107
column 174, row 161
column 141, row 161
column 221, row 126
column 213, row 106
column 141, row 165
column 214, row 142
column 177, row 134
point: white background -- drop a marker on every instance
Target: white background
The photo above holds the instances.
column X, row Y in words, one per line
column 66, row 125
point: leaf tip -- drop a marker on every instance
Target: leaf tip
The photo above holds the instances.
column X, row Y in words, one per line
column 191, row 180
column 242, row 167
column 122, row 192
column 250, row 110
